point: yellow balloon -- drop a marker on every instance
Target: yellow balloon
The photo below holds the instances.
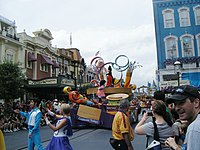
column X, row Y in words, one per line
column 67, row 89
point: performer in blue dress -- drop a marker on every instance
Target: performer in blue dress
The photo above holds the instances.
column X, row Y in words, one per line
column 33, row 117
column 62, row 129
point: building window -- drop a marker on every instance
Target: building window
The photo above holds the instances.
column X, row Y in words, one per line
column 184, row 16
column 187, row 45
column 9, row 57
column 11, row 31
column 198, row 43
column 168, row 18
column 53, row 70
column 66, row 69
column 171, row 47
column 30, row 64
column 66, row 62
column 197, row 14
column 44, row 67
column 59, row 60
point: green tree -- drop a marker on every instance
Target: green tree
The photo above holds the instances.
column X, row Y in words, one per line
column 11, row 83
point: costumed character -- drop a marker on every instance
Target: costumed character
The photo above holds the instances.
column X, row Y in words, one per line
column 100, row 92
column 33, row 117
column 76, row 97
column 97, row 67
column 62, row 129
column 56, row 106
column 109, row 82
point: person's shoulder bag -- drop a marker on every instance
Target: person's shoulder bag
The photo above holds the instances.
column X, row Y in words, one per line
column 118, row 144
column 155, row 144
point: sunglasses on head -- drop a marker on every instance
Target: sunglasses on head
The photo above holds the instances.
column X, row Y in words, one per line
column 178, row 91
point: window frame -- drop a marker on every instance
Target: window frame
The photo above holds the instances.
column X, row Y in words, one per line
column 30, row 65
column 10, row 56
column 164, row 12
column 197, row 22
column 181, row 22
column 166, row 46
column 192, row 44
column 198, row 43
column 44, row 67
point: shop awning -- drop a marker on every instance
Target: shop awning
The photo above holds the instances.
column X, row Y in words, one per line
column 46, row 60
column 31, row 57
column 56, row 65
column 194, row 78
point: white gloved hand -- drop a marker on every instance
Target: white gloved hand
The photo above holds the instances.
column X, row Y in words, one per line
column 47, row 121
column 50, row 113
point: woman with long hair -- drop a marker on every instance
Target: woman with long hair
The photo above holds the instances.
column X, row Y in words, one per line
column 163, row 122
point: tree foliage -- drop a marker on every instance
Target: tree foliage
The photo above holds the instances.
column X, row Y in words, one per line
column 11, row 81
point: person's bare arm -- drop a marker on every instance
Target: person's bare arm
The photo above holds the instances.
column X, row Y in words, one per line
column 127, row 140
column 171, row 143
column 139, row 129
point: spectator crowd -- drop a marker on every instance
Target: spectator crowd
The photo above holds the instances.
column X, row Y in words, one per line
column 13, row 122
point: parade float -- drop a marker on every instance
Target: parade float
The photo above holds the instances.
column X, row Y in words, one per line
column 101, row 101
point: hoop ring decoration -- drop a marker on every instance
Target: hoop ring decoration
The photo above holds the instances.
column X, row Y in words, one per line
column 122, row 68
column 96, row 61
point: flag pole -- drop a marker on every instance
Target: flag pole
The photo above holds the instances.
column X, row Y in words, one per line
column 70, row 42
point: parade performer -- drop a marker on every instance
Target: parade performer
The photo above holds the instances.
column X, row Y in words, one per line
column 33, row 117
column 62, row 129
column 109, row 82
column 100, row 92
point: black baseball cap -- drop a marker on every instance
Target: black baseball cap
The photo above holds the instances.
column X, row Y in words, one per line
column 182, row 92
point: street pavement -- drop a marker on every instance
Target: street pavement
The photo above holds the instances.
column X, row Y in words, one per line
column 82, row 139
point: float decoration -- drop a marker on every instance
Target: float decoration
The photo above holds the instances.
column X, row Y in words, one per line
column 129, row 72
column 76, row 97
column 109, row 103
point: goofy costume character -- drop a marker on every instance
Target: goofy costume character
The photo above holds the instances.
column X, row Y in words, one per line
column 33, row 117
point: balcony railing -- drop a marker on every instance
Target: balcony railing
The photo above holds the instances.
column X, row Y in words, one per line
column 9, row 35
column 184, row 60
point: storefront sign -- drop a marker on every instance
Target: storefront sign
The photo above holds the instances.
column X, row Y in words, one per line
column 166, row 84
column 43, row 82
column 67, row 82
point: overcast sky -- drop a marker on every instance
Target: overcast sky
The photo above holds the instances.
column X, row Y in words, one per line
column 115, row 27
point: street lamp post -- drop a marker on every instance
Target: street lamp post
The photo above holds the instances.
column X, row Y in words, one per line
column 81, row 76
column 75, row 84
column 177, row 65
